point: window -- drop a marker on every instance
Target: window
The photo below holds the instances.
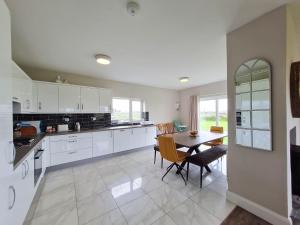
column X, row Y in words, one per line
column 127, row 110
column 213, row 112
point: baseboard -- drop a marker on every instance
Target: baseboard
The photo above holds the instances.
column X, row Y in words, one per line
column 258, row 210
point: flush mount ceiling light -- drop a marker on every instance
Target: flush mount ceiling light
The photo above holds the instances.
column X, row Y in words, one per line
column 103, row 59
column 184, row 79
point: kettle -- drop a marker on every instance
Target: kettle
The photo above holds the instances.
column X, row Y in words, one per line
column 77, row 126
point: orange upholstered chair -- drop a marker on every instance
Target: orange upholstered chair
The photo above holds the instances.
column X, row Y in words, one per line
column 168, row 152
column 215, row 129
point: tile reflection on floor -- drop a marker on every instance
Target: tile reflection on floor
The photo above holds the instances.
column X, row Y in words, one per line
column 127, row 189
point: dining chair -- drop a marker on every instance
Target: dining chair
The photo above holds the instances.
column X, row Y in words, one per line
column 169, row 152
column 216, row 129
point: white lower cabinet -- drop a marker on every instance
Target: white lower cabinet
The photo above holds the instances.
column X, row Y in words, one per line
column 138, row 137
column 150, row 135
column 69, row 148
column 21, row 190
column 103, row 143
column 122, row 140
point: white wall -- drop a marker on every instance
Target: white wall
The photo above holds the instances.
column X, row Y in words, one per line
column 260, row 176
column 161, row 103
column 212, row 89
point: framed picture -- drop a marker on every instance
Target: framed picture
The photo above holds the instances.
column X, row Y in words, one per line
column 295, row 89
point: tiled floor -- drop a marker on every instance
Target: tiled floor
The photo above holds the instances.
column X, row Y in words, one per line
column 128, row 189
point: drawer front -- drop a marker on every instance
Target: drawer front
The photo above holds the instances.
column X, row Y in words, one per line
column 71, row 136
column 77, row 144
column 58, row 146
column 71, row 156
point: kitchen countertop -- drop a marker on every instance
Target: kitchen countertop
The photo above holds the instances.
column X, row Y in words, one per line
column 24, row 151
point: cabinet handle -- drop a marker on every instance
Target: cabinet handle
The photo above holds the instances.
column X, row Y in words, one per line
column 111, row 134
column 78, row 107
column 122, row 130
column 14, row 193
column 14, row 153
column 15, row 98
column 40, row 106
column 72, row 152
column 25, row 169
column 81, row 106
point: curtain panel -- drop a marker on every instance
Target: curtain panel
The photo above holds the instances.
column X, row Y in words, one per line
column 193, row 123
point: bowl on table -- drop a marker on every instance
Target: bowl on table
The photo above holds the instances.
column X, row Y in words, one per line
column 194, row 133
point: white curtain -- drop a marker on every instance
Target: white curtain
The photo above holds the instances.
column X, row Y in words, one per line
column 193, row 113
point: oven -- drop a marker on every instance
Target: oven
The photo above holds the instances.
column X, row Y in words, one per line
column 38, row 162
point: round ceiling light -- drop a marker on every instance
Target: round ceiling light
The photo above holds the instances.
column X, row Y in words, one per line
column 103, row 59
column 184, row 79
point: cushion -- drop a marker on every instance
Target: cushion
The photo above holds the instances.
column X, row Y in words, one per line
column 208, row 156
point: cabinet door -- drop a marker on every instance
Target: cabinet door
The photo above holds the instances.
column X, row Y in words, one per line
column 46, row 154
column 105, row 99
column 69, row 99
column 243, row 137
column 103, row 143
column 47, row 98
column 89, row 100
column 122, row 140
column 150, row 135
column 138, row 137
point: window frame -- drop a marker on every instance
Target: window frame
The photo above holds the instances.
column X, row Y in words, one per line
column 130, row 109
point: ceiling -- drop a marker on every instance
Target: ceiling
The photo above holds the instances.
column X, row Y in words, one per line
column 167, row 39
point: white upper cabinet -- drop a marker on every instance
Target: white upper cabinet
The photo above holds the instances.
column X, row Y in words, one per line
column 69, row 99
column 47, row 97
column 22, row 88
column 105, row 98
column 89, row 100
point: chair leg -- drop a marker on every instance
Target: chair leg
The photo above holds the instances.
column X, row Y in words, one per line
column 169, row 168
column 180, row 173
column 187, row 171
column 201, row 172
column 154, row 156
column 162, row 163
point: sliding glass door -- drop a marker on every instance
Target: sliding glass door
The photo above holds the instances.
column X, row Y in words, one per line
column 213, row 112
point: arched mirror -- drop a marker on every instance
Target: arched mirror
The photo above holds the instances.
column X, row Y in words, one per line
column 253, row 105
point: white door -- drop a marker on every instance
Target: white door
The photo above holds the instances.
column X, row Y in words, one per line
column 47, row 98
column 138, row 138
column 69, row 99
column 89, row 100
column 122, row 140
column 103, row 143
column 150, row 135
column 105, row 98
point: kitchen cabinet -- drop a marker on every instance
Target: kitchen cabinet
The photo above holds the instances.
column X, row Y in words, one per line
column 150, row 135
column 69, row 148
column 138, row 137
column 69, row 99
column 89, row 100
column 122, row 140
column 47, row 97
column 105, row 99
column 22, row 89
column 103, row 143
column 6, row 144
column 46, row 154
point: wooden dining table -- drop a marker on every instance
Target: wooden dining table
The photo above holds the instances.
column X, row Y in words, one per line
column 184, row 139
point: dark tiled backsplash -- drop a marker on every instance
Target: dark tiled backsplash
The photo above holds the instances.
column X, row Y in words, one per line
column 85, row 120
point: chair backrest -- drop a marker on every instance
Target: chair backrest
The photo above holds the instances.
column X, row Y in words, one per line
column 217, row 129
column 167, row 148
column 165, row 128
column 170, row 128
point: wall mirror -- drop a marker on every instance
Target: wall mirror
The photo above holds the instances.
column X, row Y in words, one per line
column 253, row 105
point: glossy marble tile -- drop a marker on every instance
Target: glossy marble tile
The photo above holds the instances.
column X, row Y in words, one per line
column 55, row 197
column 164, row 220
column 141, row 211
column 167, row 198
column 87, row 188
column 95, row 206
column 190, row 213
column 113, row 217
column 63, row 214
column 215, row 203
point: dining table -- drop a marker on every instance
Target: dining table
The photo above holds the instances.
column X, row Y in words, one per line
column 185, row 139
